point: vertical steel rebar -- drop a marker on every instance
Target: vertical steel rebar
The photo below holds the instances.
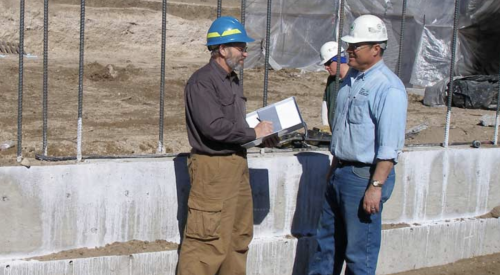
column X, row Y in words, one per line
column 219, row 8
column 45, row 72
column 452, row 69
column 497, row 118
column 243, row 10
column 339, row 51
column 162, row 80
column 20, row 87
column 80, row 82
column 401, row 38
column 266, row 65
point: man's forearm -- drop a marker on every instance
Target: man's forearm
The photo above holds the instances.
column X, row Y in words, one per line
column 382, row 170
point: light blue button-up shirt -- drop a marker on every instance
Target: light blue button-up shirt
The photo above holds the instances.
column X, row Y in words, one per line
column 370, row 118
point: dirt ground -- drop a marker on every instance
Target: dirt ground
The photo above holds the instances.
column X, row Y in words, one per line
column 116, row 249
column 122, row 81
column 122, row 86
column 484, row 265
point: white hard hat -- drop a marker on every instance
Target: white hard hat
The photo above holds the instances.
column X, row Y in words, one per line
column 328, row 51
column 366, row 28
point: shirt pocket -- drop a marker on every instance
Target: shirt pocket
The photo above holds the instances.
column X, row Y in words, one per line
column 228, row 106
column 358, row 112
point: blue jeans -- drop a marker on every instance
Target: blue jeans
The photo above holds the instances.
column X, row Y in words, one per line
column 346, row 232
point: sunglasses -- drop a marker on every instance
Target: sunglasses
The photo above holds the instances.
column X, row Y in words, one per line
column 359, row 46
column 239, row 48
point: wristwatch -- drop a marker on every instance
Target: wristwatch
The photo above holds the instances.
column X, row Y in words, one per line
column 377, row 183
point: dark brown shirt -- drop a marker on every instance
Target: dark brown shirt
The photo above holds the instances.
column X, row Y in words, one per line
column 216, row 112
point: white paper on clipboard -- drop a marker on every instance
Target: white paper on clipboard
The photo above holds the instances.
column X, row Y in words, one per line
column 285, row 116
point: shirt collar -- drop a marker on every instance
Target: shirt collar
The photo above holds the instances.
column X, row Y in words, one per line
column 363, row 75
column 221, row 72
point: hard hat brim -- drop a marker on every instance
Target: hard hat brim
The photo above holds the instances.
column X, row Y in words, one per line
column 322, row 62
column 247, row 39
column 352, row 40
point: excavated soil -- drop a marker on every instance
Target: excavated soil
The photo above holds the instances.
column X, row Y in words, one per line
column 122, row 85
column 116, row 249
column 121, row 81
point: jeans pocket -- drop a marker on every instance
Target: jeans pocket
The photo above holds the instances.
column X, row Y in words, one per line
column 204, row 220
column 362, row 172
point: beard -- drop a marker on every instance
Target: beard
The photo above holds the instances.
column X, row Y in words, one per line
column 232, row 61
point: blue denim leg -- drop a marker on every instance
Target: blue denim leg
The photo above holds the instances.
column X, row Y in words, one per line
column 330, row 236
column 363, row 231
column 345, row 231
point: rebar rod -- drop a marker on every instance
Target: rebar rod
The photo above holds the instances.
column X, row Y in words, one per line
column 339, row 51
column 80, row 82
column 162, row 80
column 45, row 73
column 452, row 69
column 243, row 10
column 401, row 38
column 497, row 118
column 20, row 87
column 219, row 8
column 267, row 52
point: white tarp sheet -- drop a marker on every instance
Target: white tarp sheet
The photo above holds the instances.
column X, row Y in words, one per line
column 299, row 28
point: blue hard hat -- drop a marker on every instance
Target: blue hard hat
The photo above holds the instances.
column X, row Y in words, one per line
column 227, row 29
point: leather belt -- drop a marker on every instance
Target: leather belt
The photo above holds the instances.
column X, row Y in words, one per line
column 342, row 163
column 238, row 153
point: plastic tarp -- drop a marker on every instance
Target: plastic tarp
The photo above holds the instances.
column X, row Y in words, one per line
column 299, row 28
column 471, row 92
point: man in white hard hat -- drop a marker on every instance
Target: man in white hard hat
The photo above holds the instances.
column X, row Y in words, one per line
column 368, row 135
column 329, row 58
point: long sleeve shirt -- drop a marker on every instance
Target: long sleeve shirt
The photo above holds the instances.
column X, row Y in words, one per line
column 216, row 112
column 370, row 118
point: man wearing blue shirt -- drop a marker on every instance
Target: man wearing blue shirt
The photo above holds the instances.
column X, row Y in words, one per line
column 368, row 134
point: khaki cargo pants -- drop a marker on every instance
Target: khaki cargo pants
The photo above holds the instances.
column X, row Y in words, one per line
column 219, row 225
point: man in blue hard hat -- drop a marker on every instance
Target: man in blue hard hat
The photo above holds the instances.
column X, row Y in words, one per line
column 219, row 225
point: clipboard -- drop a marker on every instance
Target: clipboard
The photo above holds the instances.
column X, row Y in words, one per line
column 285, row 116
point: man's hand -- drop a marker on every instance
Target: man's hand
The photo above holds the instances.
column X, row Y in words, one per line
column 263, row 129
column 371, row 202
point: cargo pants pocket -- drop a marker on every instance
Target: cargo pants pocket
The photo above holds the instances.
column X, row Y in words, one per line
column 204, row 219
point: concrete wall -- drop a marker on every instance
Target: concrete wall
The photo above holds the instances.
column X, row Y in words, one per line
column 52, row 208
